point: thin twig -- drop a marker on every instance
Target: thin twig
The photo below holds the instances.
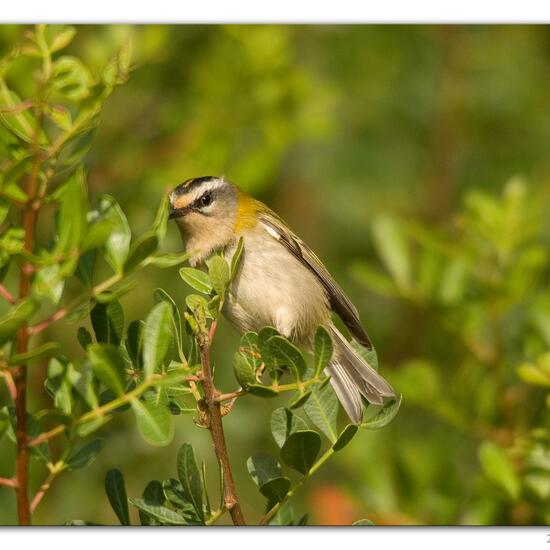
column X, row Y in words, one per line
column 10, row 383
column 99, row 411
column 56, row 316
column 57, row 469
column 29, row 216
column 65, row 310
column 10, row 482
column 267, row 518
column 229, row 396
column 6, row 294
column 215, row 426
column 216, row 515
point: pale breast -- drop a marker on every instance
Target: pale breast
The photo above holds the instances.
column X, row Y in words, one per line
column 273, row 288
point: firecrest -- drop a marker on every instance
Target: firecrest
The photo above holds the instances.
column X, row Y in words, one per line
column 279, row 282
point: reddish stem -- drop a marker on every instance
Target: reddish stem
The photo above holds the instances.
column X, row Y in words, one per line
column 56, row 316
column 6, row 294
column 8, row 482
column 230, row 499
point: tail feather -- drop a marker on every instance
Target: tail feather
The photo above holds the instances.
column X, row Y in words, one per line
column 346, row 391
column 352, row 377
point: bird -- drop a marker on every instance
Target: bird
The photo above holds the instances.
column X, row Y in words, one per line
column 279, row 281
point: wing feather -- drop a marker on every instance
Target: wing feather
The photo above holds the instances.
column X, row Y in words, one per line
column 338, row 300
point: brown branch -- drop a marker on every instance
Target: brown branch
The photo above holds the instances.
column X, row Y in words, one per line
column 215, row 426
column 29, row 216
column 6, row 294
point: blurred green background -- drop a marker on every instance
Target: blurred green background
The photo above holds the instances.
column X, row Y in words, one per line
column 415, row 160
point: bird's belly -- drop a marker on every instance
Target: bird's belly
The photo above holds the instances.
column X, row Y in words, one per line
column 273, row 288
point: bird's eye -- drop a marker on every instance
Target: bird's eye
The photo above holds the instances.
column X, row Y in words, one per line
column 206, row 199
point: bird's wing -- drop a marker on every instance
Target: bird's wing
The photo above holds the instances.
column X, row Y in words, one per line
column 338, row 300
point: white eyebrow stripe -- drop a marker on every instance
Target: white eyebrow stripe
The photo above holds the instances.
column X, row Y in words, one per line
column 208, row 186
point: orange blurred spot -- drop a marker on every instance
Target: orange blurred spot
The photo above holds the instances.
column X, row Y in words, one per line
column 333, row 507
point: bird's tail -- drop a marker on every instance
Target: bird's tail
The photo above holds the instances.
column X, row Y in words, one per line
column 352, row 377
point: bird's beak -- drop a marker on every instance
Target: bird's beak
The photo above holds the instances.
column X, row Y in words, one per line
column 175, row 212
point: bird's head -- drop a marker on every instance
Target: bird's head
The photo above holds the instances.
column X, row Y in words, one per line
column 211, row 212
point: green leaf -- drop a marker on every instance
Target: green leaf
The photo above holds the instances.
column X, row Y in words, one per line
column 85, row 455
column 345, row 437
column 96, row 235
column 157, row 337
column 86, row 428
column 153, row 495
column 262, row 391
column 71, row 220
column 264, row 335
column 323, row 350
column 85, row 268
column 197, row 279
column 20, row 122
column 384, row 416
column 174, row 493
column 160, row 225
column 83, row 382
column 198, row 303
column 116, row 493
column 134, row 343
column 49, row 282
column 285, row 515
column 236, row 259
column 244, row 369
column 322, row 409
column 537, row 373
column 58, row 384
column 4, row 209
column 15, row 318
column 116, row 293
column 70, row 77
column 108, row 366
column 155, row 422
column 160, row 295
column 144, row 247
column 20, row 167
column 301, row 449
column 161, row 513
column 219, row 273
column 118, row 244
column 299, row 400
column 267, row 475
column 285, row 354
column 190, row 477
column 62, row 39
column 283, row 423
column 108, row 322
column 34, row 353
column 498, row 468
column 392, row 247
column 169, row 260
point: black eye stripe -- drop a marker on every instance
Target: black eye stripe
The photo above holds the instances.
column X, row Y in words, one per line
column 205, row 200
